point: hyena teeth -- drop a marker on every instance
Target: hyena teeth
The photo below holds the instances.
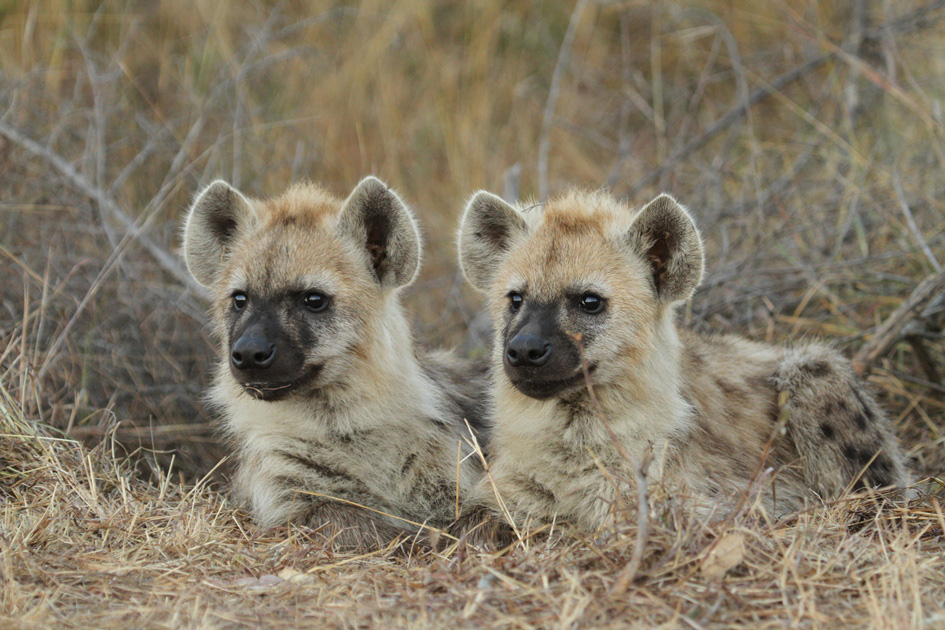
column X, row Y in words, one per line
column 320, row 386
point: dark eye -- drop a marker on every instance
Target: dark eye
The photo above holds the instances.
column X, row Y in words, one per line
column 316, row 301
column 240, row 300
column 515, row 300
column 591, row 303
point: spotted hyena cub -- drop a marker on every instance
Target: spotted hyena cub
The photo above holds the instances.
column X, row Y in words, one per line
column 320, row 383
column 586, row 282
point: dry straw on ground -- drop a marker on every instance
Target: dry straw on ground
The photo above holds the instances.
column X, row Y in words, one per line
column 807, row 138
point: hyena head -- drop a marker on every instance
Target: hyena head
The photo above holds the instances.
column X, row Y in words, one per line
column 583, row 273
column 299, row 282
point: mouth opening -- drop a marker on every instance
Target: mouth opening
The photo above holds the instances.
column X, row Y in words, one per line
column 270, row 391
column 544, row 388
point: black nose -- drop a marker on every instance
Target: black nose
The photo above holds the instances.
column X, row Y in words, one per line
column 527, row 350
column 252, row 353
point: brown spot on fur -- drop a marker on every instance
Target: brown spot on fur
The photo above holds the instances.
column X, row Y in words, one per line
column 732, row 391
column 880, row 471
column 696, row 359
column 569, row 224
column 860, row 420
column 408, row 463
column 360, row 352
column 827, row 430
column 535, row 488
column 816, row 369
column 577, row 407
column 860, row 456
column 321, row 469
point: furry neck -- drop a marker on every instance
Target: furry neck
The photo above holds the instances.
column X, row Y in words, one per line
column 645, row 400
column 385, row 378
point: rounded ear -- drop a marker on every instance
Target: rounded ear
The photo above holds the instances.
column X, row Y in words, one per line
column 488, row 229
column 382, row 225
column 666, row 237
column 218, row 215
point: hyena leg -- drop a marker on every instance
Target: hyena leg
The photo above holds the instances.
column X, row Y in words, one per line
column 838, row 428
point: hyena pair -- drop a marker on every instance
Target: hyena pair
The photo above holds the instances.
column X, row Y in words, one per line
column 343, row 423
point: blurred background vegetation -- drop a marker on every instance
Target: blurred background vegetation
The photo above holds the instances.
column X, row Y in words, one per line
column 807, row 138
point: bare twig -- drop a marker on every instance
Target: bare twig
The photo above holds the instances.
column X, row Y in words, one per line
column 915, row 20
column 890, row 331
column 167, row 261
column 564, row 54
column 734, row 115
column 910, row 220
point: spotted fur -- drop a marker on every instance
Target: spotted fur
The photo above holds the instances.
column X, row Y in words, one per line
column 707, row 409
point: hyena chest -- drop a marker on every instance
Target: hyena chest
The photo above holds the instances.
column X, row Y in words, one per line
column 405, row 476
column 565, row 477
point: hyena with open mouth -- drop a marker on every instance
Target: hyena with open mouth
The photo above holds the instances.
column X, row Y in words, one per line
column 320, row 383
column 585, row 284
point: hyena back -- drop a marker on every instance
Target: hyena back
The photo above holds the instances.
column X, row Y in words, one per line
column 327, row 398
column 584, row 284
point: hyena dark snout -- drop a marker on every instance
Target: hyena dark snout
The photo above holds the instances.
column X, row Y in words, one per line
column 540, row 359
column 253, row 352
column 528, row 349
column 264, row 360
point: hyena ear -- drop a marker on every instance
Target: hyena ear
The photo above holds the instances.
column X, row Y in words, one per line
column 666, row 237
column 488, row 229
column 218, row 215
column 375, row 217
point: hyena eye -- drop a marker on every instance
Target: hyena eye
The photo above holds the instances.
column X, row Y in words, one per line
column 591, row 303
column 239, row 300
column 515, row 300
column 315, row 301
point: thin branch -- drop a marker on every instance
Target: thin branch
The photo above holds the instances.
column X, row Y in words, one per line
column 734, row 115
column 913, row 21
column 910, row 220
column 165, row 259
column 890, row 332
column 564, row 54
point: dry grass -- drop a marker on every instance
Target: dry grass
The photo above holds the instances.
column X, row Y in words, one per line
column 87, row 543
column 822, row 206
